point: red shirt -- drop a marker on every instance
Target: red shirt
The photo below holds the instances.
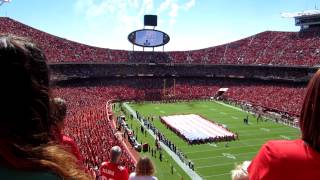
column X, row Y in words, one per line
column 67, row 141
column 110, row 171
column 283, row 159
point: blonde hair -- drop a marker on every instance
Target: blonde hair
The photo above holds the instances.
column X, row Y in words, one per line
column 145, row 167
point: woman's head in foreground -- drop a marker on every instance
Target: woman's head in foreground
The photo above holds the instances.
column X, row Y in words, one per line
column 25, row 92
column 310, row 113
column 25, row 140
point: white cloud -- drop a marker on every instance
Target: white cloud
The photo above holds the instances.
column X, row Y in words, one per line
column 189, row 4
column 120, row 17
column 173, row 7
column 174, row 10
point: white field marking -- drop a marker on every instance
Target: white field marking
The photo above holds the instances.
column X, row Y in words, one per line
column 212, row 109
column 212, row 150
column 285, row 137
column 214, row 175
column 224, row 155
column 227, row 105
column 214, row 165
column 241, row 141
column 162, row 112
column 233, row 117
column 228, row 155
column 156, row 107
column 265, row 129
column 254, row 134
column 257, row 130
column 213, row 145
column 223, row 113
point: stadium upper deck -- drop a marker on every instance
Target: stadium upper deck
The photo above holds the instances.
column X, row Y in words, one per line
column 268, row 48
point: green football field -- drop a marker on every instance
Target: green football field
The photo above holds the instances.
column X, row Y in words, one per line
column 213, row 160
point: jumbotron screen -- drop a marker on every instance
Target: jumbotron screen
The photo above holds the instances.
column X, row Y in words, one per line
column 149, row 38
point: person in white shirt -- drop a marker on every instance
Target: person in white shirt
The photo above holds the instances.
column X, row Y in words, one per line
column 144, row 170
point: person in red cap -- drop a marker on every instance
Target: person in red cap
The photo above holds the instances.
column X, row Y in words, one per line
column 112, row 170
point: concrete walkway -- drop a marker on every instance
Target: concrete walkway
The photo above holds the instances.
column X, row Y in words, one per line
column 192, row 174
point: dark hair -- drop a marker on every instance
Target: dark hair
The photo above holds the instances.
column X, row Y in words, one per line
column 310, row 113
column 25, row 141
column 59, row 110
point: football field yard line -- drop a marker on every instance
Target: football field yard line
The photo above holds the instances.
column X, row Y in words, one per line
column 211, row 150
column 243, row 134
column 239, row 154
column 233, row 146
column 215, row 175
column 215, row 165
column 211, row 147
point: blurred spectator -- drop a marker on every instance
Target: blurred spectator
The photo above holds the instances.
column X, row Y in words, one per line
column 58, row 116
column 144, row 170
column 240, row 172
column 112, row 169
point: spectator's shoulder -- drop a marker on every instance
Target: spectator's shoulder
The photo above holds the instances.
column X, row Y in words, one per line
column 282, row 144
column 279, row 149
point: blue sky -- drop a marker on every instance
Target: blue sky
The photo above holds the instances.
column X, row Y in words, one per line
column 191, row 24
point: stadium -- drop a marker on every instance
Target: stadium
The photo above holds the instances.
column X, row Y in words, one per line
column 196, row 113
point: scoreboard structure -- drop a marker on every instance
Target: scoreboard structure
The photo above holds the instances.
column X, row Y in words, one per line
column 149, row 37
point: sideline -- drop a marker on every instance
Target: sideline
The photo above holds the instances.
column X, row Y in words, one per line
column 114, row 127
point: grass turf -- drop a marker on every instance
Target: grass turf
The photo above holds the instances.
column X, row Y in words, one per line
column 215, row 160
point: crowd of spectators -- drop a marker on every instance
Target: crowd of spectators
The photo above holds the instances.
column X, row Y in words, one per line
column 269, row 47
column 88, row 123
column 280, row 98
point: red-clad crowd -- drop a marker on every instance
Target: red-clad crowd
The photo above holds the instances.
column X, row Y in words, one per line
column 269, row 47
column 280, row 98
column 88, row 123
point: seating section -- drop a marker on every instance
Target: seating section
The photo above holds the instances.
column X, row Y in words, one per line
column 269, row 47
column 279, row 98
column 88, row 123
